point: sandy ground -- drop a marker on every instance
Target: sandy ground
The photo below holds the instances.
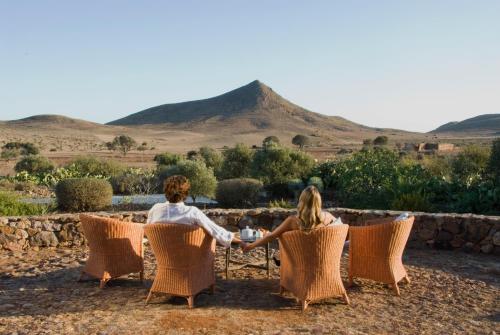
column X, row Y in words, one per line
column 450, row 293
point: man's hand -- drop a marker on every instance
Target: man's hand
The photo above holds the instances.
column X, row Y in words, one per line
column 243, row 245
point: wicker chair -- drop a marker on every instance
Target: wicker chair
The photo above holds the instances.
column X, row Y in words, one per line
column 310, row 264
column 115, row 248
column 376, row 251
column 185, row 260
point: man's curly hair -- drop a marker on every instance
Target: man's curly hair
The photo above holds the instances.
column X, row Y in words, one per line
column 176, row 188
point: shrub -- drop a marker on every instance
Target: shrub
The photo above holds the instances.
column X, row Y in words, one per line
column 316, row 181
column 279, row 164
column 300, row 140
column 213, row 159
column 470, row 164
column 201, row 178
column 414, row 201
column 167, row 159
column 281, row 203
column 237, row 162
column 270, row 141
column 10, row 205
column 23, row 148
column 494, row 161
column 92, row 166
column 381, row 140
column 279, row 191
column 238, row 192
column 367, row 142
column 135, row 181
column 34, row 165
column 84, row 194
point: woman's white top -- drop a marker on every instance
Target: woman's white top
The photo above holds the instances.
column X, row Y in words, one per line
column 189, row 215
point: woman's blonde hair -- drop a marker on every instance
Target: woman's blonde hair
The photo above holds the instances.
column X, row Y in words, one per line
column 309, row 208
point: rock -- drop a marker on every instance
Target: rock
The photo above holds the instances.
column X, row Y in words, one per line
column 21, row 234
column 487, row 248
column 457, row 242
column 496, row 238
column 477, row 231
column 452, row 226
column 44, row 239
column 426, row 234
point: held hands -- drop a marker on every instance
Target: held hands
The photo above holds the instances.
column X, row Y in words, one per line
column 247, row 247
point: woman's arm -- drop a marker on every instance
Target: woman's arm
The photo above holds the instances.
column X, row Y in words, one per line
column 282, row 228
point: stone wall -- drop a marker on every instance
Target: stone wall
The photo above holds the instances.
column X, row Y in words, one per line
column 476, row 233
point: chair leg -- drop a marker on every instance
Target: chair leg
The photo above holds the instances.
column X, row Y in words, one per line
column 149, row 296
column 190, row 300
column 304, row 303
column 407, row 279
column 141, row 276
column 396, row 289
column 346, row 298
column 212, row 289
column 102, row 283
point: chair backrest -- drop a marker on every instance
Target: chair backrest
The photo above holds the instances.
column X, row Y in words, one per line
column 317, row 249
column 112, row 236
column 382, row 237
column 178, row 245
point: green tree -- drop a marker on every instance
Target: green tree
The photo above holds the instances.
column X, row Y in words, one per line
column 300, row 140
column 192, row 155
column 213, row 159
column 201, row 178
column 166, row 159
column 237, row 162
column 279, row 165
column 122, row 143
column 470, row 164
column 381, row 140
column 92, row 166
column 270, row 141
column 34, row 165
column 494, row 162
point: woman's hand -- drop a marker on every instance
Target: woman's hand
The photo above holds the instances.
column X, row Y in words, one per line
column 243, row 245
column 248, row 247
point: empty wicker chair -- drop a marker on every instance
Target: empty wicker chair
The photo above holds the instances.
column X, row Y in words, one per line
column 185, row 260
column 376, row 251
column 310, row 263
column 115, row 248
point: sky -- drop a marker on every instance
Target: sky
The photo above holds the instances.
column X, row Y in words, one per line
column 411, row 65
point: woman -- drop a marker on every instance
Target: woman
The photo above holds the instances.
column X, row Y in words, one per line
column 309, row 216
column 176, row 190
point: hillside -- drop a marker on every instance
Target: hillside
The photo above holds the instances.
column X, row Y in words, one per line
column 482, row 124
column 52, row 121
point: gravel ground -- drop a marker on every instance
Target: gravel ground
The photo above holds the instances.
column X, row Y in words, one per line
column 450, row 293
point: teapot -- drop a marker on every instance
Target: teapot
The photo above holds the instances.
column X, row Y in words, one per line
column 247, row 233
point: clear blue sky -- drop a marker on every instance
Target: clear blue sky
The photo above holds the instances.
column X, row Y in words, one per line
column 403, row 64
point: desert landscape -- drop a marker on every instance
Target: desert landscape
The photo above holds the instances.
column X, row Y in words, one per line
column 245, row 115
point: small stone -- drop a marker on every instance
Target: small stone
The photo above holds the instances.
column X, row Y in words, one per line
column 496, row 238
column 487, row 248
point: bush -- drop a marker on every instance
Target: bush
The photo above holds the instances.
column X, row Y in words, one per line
column 316, row 181
column 281, row 203
column 494, row 162
column 237, row 162
column 270, row 141
column 279, row 164
column 300, row 140
column 34, row 165
column 10, row 205
column 279, row 191
column 470, row 164
column 135, row 181
column 167, row 159
column 380, row 140
column 84, row 194
column 238, row 192
column 411, row 202
column 201, row 178
column 92, row 166
column 122, row 143
column 213, row 159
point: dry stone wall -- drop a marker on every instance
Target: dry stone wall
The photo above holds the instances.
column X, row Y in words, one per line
column 475, row 233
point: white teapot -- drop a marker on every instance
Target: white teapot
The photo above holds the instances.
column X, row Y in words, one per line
column 247, row 233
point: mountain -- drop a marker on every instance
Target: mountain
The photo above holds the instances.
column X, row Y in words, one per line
column 255, row 105
column 482, row 124
column 52, row 121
